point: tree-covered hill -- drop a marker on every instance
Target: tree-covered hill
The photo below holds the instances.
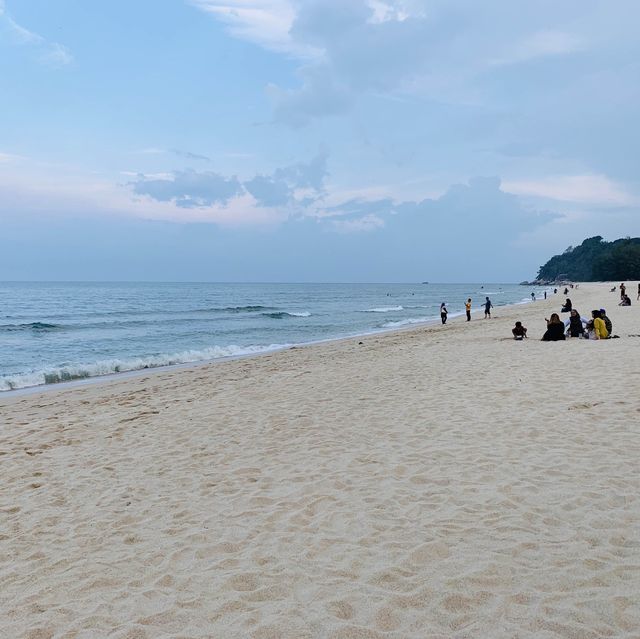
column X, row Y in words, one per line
column 595, row 260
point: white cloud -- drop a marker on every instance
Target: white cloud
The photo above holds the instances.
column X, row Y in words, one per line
column 584, row 189
column 441, row 49
column 541, row 44
column 363, row 224
column 7, row 158
column 49, row 53
column 265, row 22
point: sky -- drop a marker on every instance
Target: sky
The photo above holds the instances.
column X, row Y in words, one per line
column 314, row 140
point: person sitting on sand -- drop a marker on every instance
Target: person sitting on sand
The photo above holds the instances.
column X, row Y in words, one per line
column 443, row 313
column 607, row 322
column 626, row 301
column 613, row 290
column 567, row 306
column 599, row 327
column 589, row 332
column 555, row 329
column 575, row 324
column 519, row 331
column 638, row 298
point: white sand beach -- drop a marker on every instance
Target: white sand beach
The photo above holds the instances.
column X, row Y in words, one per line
column 442, row 482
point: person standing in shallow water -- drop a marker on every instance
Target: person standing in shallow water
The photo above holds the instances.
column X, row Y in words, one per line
column 487, row 308
column 467, row 308
column 443, row 313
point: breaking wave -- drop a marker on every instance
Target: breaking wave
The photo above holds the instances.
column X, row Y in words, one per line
column 384, row 309
column 407, row 322
column 55, row 375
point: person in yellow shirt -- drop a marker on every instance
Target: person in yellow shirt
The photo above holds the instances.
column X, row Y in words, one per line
column 467, row 306
column 599, row 327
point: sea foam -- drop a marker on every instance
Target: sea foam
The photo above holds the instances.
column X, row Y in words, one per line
column 55, row 375
column 384, row 309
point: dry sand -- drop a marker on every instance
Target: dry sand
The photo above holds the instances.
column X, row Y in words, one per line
column 439, row 482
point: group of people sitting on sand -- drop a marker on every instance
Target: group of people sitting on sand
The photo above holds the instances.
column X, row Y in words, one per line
column 599, row 326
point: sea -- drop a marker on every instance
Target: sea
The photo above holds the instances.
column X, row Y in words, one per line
column 52, row 332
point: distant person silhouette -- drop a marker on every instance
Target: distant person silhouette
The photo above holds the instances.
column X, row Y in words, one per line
column 487, row 308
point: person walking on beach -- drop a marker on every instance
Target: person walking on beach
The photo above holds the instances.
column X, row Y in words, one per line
column 443, row 313
column 623, row 290
column 487, row 308
column 533, row 296
column 467, row 308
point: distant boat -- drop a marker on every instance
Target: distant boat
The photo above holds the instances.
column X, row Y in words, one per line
column 424, row 282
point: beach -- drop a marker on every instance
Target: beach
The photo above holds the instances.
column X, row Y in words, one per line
column 442, row 481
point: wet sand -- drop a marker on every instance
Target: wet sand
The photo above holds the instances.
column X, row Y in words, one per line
column 438, row 482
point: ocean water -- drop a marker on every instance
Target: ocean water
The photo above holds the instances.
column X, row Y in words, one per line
column 54, row 332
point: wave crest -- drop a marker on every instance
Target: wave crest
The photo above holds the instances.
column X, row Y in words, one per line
column 55, row 375
column 384, row 309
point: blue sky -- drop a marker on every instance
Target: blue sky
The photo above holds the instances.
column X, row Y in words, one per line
column 313, row 140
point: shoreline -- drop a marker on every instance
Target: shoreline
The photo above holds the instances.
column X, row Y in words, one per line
column 116, row 376
column 447, row 480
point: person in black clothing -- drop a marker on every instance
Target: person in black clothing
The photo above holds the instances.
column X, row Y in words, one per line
column 575, row 324
column 567, row 306
column 487, row 308
column 443, row 313
column 519, row 331
column 555, row 329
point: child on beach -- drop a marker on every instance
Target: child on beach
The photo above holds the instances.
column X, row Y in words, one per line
column 467, row 307
column 443, row 313
column 487, row 308
column 519, row 331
